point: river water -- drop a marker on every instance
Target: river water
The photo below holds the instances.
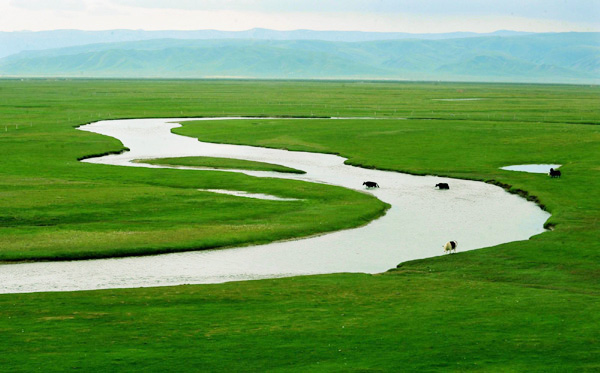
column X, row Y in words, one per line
column 420, row 221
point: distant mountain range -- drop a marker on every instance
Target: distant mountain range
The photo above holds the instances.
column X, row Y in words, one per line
column 15, row 42
column 505, row 56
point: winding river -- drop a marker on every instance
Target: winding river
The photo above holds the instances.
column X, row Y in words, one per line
column 420, row 221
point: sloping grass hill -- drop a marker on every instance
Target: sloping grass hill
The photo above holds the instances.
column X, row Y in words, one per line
column 562, row 57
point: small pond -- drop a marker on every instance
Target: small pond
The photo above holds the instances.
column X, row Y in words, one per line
column 532, row 168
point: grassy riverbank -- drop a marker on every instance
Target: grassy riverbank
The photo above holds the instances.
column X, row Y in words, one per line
column 403, row 321
column 524, row 306
column 220, row 163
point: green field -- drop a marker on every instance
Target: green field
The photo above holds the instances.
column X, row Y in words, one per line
column 54, row 207
column 524, row 306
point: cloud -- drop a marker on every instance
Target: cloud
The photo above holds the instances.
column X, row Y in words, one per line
column 58, row 5
column 572, row 10
column 583, row 14
column 366, row 15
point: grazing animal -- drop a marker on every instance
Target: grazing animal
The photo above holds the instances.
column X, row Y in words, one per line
column 450, row 246
column 443, row 186
column 554, row 173
column 371, row 184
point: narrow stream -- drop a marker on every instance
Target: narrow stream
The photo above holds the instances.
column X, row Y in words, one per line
column 420, row 221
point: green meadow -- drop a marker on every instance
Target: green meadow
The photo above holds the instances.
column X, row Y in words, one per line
column 523, row 306
column 54, row 207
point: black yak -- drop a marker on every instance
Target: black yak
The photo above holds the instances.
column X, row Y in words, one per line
column 371, row 184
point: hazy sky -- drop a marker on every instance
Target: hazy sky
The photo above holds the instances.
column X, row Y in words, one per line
column 417, row 16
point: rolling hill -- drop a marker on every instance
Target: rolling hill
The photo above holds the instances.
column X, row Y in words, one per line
column 18, row 41
column 548, row 58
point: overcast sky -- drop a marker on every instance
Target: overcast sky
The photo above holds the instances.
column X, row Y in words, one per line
column 416, row 16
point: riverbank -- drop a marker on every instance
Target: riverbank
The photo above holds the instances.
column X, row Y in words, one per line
column 421, row 219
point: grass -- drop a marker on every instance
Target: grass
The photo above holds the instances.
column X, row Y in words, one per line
column 53, row 207
column 220, row 163
column 393, row 322
column 523, row 306
column 464, row 149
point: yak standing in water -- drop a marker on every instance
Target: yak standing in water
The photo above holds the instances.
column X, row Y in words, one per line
column 554, row 173
column 371, row 184
column 450, row 246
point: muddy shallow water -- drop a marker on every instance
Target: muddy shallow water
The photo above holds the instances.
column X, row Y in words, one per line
column 420, row 221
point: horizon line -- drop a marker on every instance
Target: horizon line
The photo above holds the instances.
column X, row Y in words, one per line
column 310, row 30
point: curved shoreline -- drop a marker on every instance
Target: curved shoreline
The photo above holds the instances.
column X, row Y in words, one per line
column 420, row 221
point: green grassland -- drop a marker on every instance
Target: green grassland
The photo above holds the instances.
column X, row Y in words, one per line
column 220, row 163
column 54, row 207
column 523, row 306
